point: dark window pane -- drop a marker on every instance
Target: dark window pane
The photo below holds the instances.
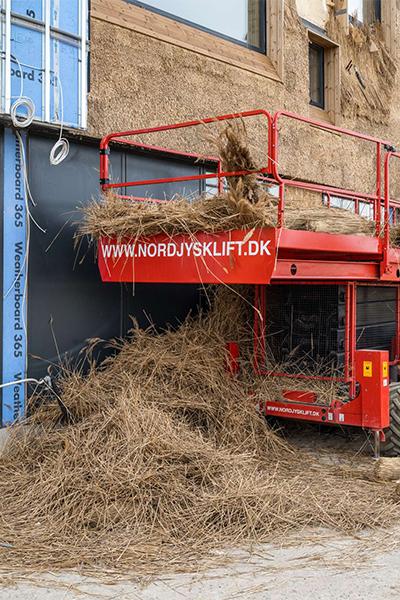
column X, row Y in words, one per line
column 316, row 57
column 242, row 21
column 378, row 10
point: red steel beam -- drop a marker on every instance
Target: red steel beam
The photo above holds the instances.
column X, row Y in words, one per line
column 324, row 271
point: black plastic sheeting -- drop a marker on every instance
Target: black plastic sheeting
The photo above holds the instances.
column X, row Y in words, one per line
column 67, row 302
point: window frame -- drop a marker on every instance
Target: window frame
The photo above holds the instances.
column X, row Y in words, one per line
column 167, row 30
column 50, row 32
column 321, row 73
column 388, row 16
column 262, row 48
column 331, row 112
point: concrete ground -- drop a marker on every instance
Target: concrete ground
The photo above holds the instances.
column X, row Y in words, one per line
column 287, row 574
column 333, row 567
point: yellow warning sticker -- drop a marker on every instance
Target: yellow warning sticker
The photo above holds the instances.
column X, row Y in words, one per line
column 385, row 368
column 367, row 368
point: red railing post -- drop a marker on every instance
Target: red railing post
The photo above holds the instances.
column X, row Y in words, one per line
column 377, row 205
column 104, row 162
column 281, row 205
column 386, row 194
column 386, row 227
column 350, row 337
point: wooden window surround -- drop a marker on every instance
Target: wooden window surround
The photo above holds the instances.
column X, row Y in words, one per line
column 331, row 110
column 389, row 20
column 168, row 30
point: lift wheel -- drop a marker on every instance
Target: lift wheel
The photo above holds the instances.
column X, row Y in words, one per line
column 391, row 446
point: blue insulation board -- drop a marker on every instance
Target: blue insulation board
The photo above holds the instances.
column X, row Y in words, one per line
column 65, row 101
column 27, row 79
column 65, row 15
column 28, row 8
column 14, row 281
column 26, row 46
column 28, row 59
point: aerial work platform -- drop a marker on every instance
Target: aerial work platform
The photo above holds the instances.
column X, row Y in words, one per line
column 325, row 298
column 233, row 257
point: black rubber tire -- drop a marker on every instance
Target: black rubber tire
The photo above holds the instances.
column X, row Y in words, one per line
column 391, row 446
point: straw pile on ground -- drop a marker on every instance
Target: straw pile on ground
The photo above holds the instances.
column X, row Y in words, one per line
column 162, row 461
column 245, row 204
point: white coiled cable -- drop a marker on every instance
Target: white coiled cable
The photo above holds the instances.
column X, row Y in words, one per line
column 60, row 150
column 21, row 121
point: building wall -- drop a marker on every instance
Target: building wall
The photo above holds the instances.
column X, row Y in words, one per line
column 137, row 80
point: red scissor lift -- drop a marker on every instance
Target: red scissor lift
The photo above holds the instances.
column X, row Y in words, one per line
column 341, row 290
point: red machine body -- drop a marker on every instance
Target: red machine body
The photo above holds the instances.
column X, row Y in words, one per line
column 279, row 256
column 369, row 408
column 236, row 256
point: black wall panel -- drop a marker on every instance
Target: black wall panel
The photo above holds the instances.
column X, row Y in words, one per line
column 66, row 296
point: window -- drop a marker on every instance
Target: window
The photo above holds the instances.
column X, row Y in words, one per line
column 246, row 34
column 45, row 57
column 364, row 11
column 366, row 210
column 239, row 21
column 391, row 215
column 317, row 75
column 339, row 202
column 324, row 78
column 361, row 207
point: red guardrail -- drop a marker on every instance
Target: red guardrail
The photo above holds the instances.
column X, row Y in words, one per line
column 270, row 171
column 375, row 199
column 118, row 137
column 272, row 174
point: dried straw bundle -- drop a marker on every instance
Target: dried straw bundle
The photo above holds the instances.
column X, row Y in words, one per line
column 115, row 217
column 119, row 218
column 328, row 220
column 164, row 461
column 232, row 145
column 387, row 469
